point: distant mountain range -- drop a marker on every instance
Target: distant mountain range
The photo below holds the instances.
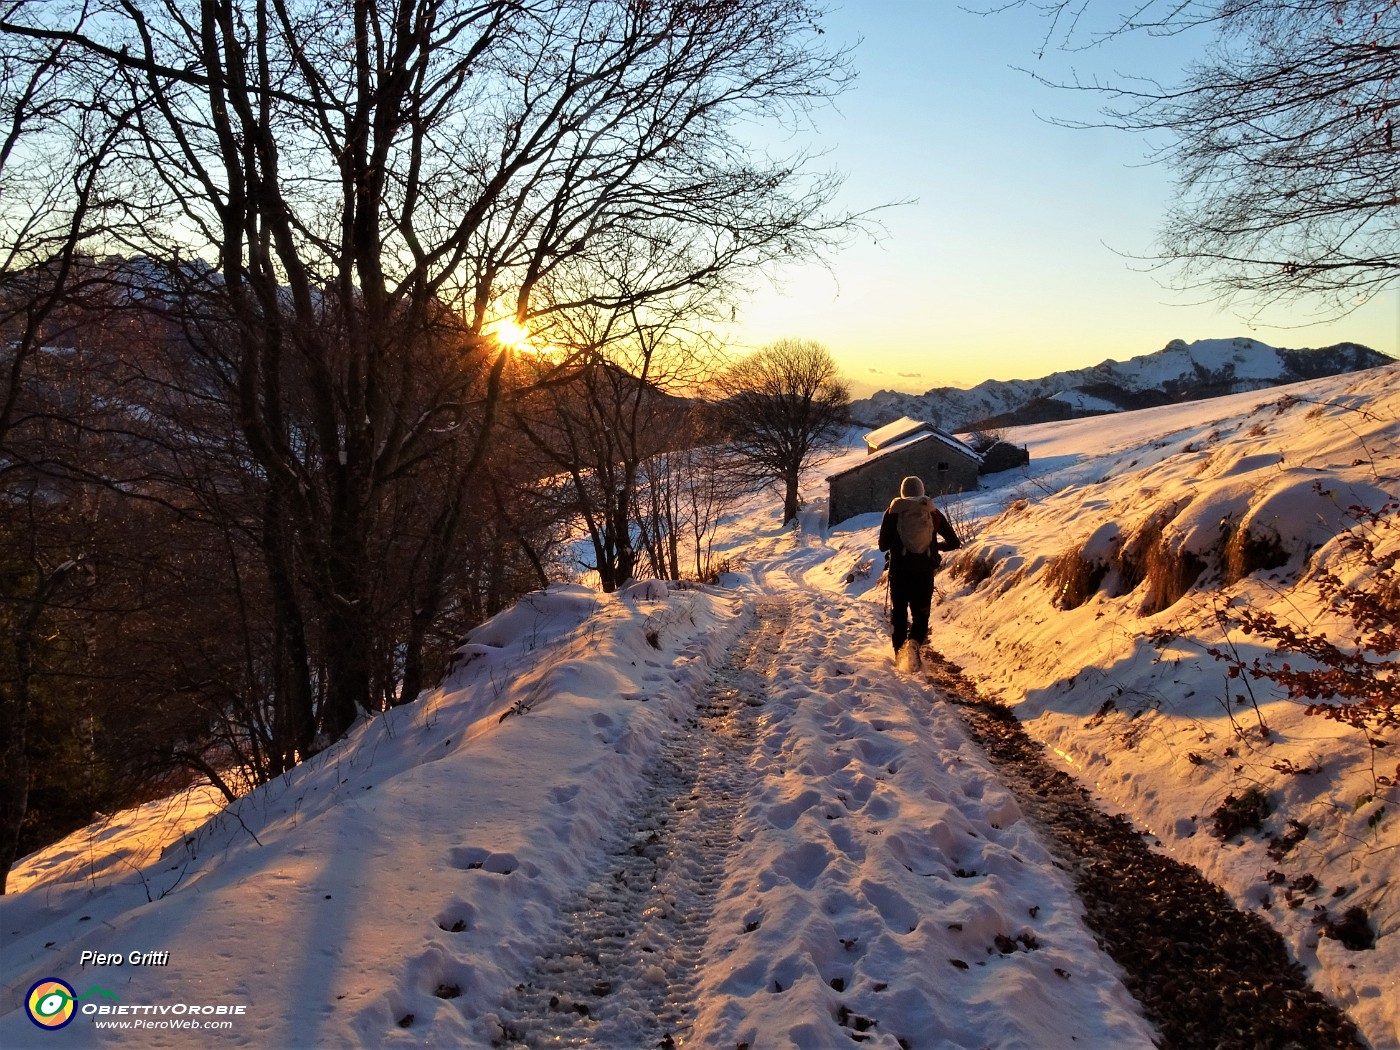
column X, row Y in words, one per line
column 1178, row 372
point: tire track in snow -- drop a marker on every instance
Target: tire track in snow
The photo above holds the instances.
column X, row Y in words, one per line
column 622, row 971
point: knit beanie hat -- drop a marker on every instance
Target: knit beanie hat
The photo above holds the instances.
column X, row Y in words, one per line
column 911, row 487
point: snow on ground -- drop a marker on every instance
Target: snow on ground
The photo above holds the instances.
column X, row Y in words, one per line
column 1249, row 359
column 123, row 842
column 429, row 852
column 1083, row 402
column 882, row 882
column 393, row 891
column 1129, row 699
column 885, row 882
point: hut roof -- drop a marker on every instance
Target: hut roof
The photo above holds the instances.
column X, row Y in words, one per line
column 944, row 439
column 891, row 433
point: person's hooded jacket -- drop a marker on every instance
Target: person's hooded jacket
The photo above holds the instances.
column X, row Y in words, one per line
column 921, row 519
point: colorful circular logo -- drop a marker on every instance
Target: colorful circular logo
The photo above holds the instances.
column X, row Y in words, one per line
column 50, row 1003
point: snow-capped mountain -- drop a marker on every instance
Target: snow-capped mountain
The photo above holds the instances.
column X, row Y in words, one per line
column 1178, row 372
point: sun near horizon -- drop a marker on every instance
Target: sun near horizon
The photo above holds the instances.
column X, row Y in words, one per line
column 508, row 333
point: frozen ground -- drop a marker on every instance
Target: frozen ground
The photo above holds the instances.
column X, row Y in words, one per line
column 834, row 861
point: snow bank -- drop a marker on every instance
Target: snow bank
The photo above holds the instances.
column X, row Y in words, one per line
column 391, row 889
column 1256, row 488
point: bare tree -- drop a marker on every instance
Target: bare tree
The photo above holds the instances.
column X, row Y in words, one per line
column 684, row 492
column 355, row 174
column 58, row 135
column 783, row 408
column 614, row 415
column 103, row 576
column 1282, row 137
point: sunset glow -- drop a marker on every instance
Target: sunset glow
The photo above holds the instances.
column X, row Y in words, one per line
column 509, row 334
column 1025, row 245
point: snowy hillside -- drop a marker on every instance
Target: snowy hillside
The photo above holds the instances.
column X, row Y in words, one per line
column 1128, row 697
column 1178, row 372
column 717, row 817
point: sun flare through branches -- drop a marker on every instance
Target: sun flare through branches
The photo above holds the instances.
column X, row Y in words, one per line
column 511, row 335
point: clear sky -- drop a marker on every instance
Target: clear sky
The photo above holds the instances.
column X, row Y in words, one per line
column 1013, row 259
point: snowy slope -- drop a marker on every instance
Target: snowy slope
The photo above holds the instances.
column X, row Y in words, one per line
column 395, row 891
column 397, row 888
column 1178, row 372
column 1128, row 697
column 325, row 902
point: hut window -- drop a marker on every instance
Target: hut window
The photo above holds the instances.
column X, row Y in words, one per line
column 943, row 466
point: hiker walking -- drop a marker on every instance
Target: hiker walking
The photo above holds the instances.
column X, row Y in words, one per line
column 913, row 533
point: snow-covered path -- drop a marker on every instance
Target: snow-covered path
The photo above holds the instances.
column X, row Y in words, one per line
column 851, row 870
column 878, row 882
column 792, row 846
column 886, row 889
column 622, row 971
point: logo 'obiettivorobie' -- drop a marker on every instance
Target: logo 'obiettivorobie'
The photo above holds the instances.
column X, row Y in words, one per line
column 50, row 1003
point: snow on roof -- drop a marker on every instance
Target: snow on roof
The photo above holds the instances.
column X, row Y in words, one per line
column 905, row 427
column 943, row 438
column 892, row 432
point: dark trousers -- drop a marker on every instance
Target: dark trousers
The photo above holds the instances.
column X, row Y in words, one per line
column 911, row 594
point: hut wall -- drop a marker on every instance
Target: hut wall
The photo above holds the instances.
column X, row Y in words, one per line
column 1004, row 456
column 871, row 486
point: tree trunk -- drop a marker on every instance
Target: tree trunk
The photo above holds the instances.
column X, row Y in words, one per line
column 348, row 669
column 348, row 636
column 293, row 723
column 14, row 719
column 426, row 605
column 790, row 503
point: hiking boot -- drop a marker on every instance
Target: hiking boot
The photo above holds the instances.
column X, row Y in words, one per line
column 906, row 657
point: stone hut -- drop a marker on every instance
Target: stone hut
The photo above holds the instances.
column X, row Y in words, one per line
column 895, row 451
column 1003, row 455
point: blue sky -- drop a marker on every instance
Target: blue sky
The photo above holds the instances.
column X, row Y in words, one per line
column 1010, row 262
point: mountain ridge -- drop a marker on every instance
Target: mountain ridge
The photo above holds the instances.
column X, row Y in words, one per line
column 1179, row 372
